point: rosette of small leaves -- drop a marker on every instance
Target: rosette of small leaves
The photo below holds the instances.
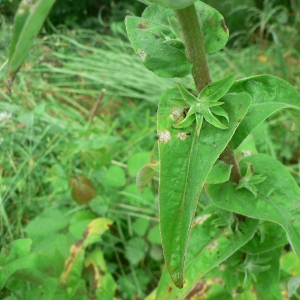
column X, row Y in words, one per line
column 252, row 265
column 249, row 180
column 206, row 105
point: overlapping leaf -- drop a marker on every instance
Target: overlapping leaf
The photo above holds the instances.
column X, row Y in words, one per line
column 185, row 161
column 269, row 236
column 209, row 245
column 267, row 283
column 157, row 40
column 269, row 94
column 219, row 173
column 277, row 197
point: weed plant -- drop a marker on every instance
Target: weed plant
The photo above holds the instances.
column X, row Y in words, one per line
column 49, row 135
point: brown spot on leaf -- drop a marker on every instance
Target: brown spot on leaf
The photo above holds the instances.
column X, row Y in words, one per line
column 156, row 35
column 223, row 24
column 78, row 244
column 199, row 290
column 143, row 25
column 170, row 289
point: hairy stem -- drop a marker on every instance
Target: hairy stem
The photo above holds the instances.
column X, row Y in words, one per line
column 194, row 45
column 195, row 52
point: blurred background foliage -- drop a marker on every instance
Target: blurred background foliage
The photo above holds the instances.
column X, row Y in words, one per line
column 56, row 130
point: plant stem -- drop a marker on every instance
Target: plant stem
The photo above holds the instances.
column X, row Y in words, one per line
column 194, row 45
column 195, row 52
column 227, row 156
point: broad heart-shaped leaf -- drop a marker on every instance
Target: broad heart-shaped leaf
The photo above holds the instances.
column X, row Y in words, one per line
column 269, row 94
column 185, row 161
column 209, row 245
column 156, row 38
column 277, row 199
column 29, row 19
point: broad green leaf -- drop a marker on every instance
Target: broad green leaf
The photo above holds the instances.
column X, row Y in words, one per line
column 175, row 4
column 29, row 19
column 51, row 242
column 156, row 252
column 219, row 173
column 209, row 245
column 152, row 295
column 136, row 197
column 135, row 250
column 17, row 259
column 234, row 277
column 268, row 237
column 277, row 198
column 267, row 282
column 95, row 158
column 24, row 263
column 140, row 226
column 115, row 176
column 154, row 235
column 185, row 161
column 290, row 264
column 48, row 222
column 269, row 94
column 156, row 40
column 82, row 189
column 136, row 161
column 251, row 277
column 44, row 291
column 214, row 30
column 79, row 221
column 246, row 148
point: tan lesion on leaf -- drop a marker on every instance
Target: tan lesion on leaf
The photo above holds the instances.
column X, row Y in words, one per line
column 143, row 25
column 142, row 54
column 201, row 219
column 213, row 245
column 164, row 136
column 183, row 135
column 177, row 112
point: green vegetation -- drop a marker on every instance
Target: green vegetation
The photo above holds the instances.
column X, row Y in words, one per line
column 79, row 125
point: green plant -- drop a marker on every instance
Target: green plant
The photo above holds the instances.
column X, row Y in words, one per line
column 191, row 139
column 235, row 234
